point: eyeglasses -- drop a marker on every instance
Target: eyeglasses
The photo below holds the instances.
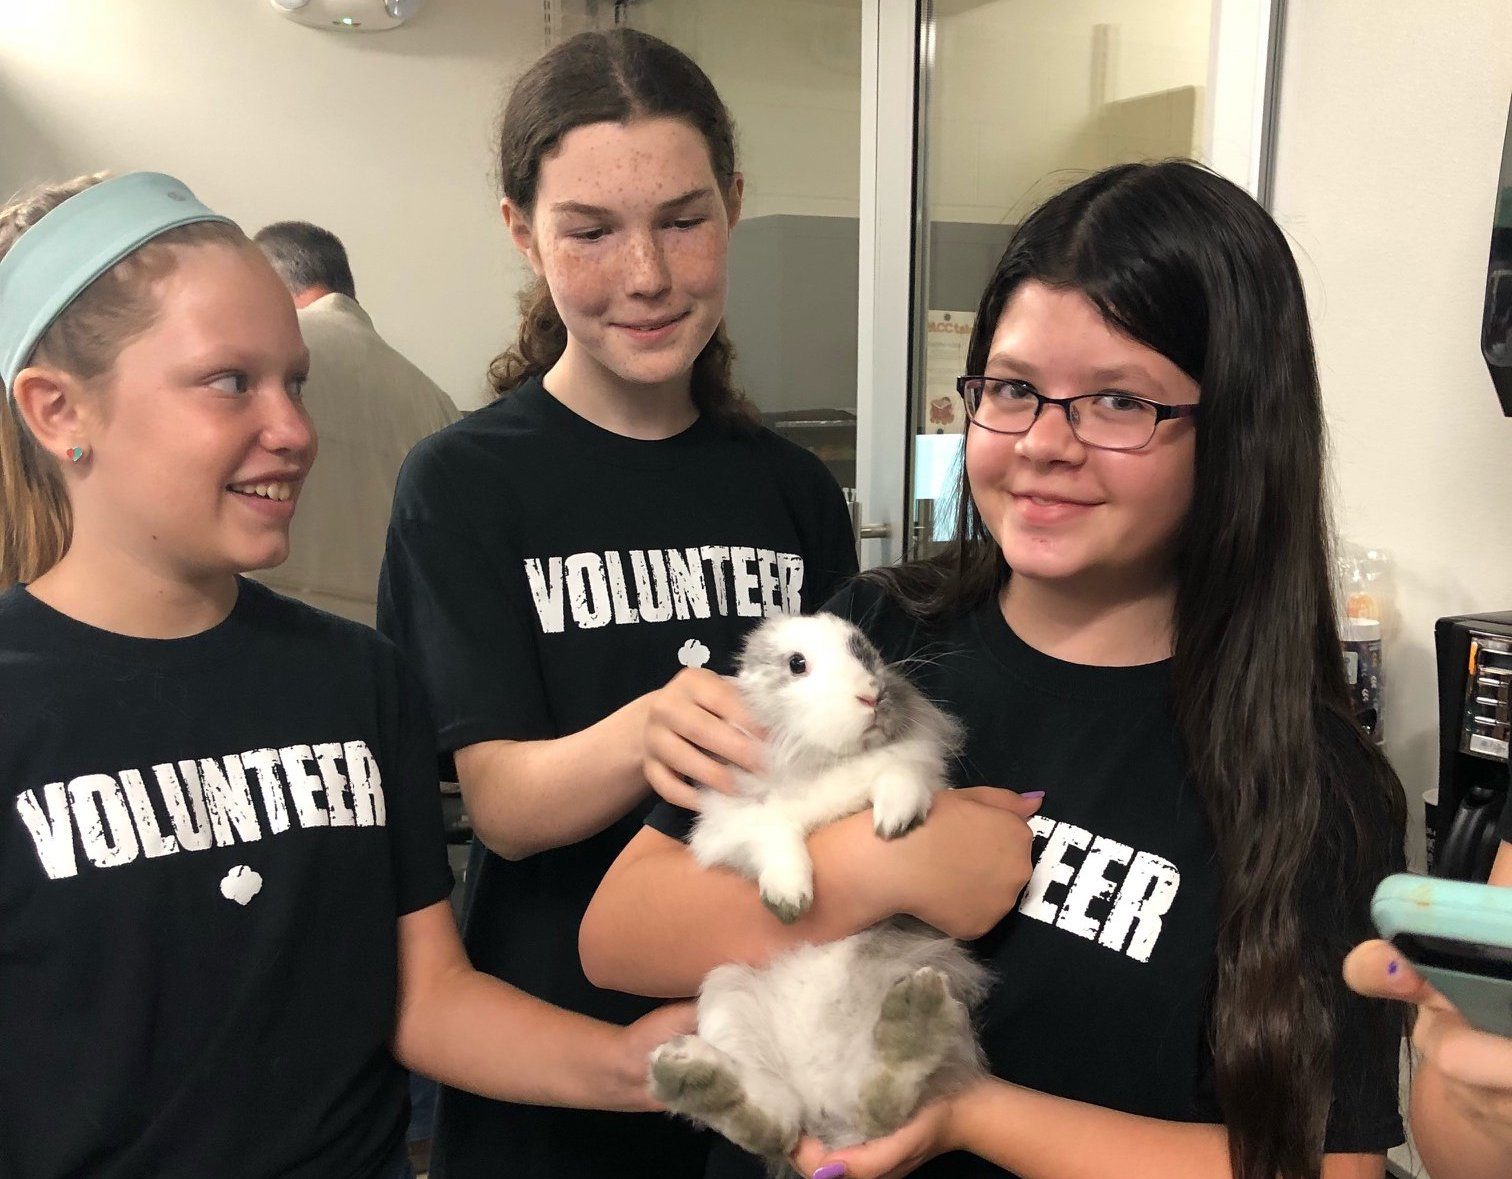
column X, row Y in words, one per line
column 1108, row 421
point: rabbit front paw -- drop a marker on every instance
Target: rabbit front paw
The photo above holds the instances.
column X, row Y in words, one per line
column 788, row 893
column 900, row 802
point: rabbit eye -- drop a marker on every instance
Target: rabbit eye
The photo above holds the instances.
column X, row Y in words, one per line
column 797, row 664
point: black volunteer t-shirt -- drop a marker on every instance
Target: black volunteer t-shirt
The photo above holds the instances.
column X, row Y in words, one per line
column 542, row 572
column 1103, row 976
column 205, row 845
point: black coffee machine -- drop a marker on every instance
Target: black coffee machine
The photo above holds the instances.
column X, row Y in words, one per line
column 1475, row 699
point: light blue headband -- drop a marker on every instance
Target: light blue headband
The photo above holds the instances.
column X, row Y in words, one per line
column 51, row 263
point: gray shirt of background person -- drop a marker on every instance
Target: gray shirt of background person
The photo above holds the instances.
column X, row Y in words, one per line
column 369, row 405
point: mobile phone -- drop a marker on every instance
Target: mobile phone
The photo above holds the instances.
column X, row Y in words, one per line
column 1458, row 936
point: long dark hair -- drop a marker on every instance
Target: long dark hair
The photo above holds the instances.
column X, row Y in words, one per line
column 609, row 77
column 1188, row 264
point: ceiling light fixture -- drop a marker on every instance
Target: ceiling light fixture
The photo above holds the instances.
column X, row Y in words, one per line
column 349, row 16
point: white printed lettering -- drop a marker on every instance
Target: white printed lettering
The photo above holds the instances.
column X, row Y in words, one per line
column 228, row 799
column 718, row 557
column 208, row 802
column 588, row 591
column 328, row 758
column 367, row 785
column 624, row 613
column 104, row 820
column 1092, row 885
column 1143, row 901
column 154, row 842
column 303, row 786
column 790, row 570
column 185, row 803
column 651, row 590
column 1127, row 915
column 51, row 827
column 1052, row 869
column 546, row 590
column 690, row 595
column 264, row 765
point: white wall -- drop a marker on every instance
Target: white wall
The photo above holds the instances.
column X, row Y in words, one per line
column 382, row 137
column 385, row 137
column 1391, row 126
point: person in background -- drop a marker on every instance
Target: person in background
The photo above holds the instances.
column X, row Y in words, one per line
column 369, row 404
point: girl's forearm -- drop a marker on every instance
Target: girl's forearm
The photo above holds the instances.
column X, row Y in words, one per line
column 472, row 1031
column 525, row 797
column 659, row 922
column 482, row 1035
column 1043, row 1137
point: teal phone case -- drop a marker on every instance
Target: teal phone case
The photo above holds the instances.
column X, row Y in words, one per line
column 1476, row 913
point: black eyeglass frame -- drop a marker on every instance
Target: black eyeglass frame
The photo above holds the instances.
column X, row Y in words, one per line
column 1163, row 412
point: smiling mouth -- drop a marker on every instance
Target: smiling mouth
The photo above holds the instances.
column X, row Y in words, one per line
column 278, row 492
column 653, row 327
column 1045, row 502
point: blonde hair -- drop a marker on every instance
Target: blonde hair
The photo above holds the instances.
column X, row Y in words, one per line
column 36, row 521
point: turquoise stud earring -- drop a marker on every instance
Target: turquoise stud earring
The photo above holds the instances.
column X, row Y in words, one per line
column 75, row 453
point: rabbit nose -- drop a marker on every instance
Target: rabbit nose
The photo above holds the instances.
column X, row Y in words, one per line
column 869, row 701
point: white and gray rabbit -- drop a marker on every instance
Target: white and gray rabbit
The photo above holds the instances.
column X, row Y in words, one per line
column 842, row 1041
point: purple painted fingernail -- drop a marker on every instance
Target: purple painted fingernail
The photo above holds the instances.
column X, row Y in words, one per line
column 1393, row 966
column 832, row 1171
column 1030, row 794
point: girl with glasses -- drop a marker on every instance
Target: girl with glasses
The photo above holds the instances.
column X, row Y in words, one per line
column 568, row 565
column 1135, row 619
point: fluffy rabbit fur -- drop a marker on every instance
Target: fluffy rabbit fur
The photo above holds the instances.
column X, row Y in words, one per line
column 841, row 1041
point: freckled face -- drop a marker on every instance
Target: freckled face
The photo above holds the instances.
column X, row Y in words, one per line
column 631, row 232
